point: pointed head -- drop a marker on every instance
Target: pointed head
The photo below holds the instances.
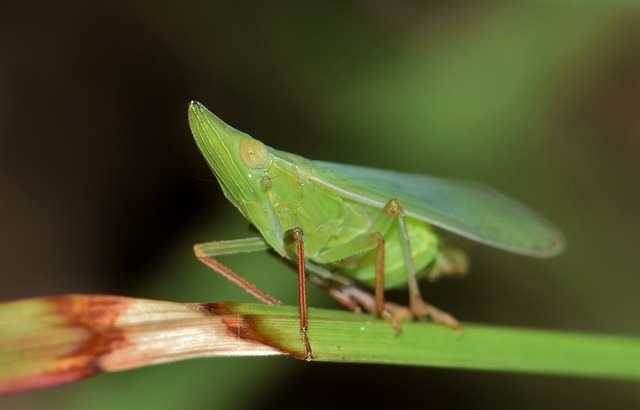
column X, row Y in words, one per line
column 236, row 159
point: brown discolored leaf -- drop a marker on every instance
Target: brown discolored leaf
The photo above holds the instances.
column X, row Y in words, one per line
column 46, row 342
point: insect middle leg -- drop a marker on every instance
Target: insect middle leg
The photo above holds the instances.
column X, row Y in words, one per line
column 294, row 246
column 391, row 214
column 353, row 298
column 360, row 244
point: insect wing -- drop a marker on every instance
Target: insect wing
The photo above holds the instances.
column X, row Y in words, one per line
column 468, row 209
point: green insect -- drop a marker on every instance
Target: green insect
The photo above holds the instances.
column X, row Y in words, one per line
column 349, row 225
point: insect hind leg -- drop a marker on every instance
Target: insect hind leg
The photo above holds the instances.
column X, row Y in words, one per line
column 418, row 306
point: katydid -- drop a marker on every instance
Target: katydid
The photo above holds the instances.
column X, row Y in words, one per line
column 350, row 225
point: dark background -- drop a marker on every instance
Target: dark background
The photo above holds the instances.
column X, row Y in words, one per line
column 102, row 189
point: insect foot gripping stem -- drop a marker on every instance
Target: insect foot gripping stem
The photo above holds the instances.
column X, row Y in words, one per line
column 441, row 317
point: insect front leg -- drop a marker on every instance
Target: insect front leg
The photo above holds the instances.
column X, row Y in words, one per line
column 294, row 237
column 207, row 252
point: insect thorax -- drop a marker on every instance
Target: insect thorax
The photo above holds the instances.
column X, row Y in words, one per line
column 329, row 220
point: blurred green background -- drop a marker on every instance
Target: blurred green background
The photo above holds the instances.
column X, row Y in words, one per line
column 102, row 189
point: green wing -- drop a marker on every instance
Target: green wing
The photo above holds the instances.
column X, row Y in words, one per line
column 468, row 209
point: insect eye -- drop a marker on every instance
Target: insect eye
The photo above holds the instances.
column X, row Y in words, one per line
column 253, row 153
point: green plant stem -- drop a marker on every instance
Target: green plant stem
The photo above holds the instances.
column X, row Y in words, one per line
column 344, row 337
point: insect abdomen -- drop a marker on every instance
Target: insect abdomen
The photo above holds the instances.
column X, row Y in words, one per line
column 425, row 246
